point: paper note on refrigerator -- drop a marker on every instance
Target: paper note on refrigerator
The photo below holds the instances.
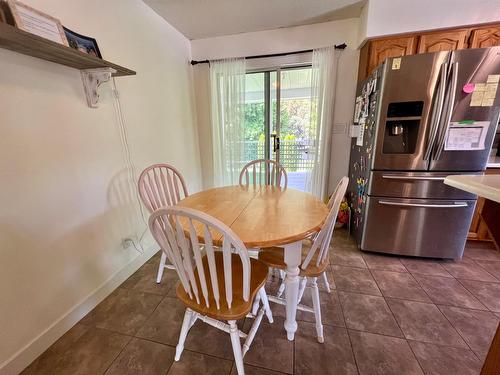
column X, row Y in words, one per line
column 493, row 78
column 361, row 133
column 476, row 99
column 468, row 136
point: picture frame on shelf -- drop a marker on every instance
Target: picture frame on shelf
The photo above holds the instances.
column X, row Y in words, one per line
column 35, row 22
column 82, row 43
column 6, row 14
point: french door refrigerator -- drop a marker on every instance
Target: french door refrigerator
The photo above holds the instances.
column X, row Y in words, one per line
column 421, row 118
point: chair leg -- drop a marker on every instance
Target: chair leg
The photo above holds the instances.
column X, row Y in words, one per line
column 265, row 303
column 302, row 288
column 317, row 310
column 281, row 289
column 235, row 341
column 256, row 303
column 325, row 281
column 282, row 275
column 186, row 324
column 161, row 267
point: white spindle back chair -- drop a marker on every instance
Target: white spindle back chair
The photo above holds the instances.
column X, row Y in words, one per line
column 210, row 276
column 161, row 185
column 322, row 241
column 264, row 172
column 315, row 260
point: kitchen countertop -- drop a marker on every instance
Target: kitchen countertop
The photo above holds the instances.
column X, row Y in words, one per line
column 493, row 162
column 487, row 186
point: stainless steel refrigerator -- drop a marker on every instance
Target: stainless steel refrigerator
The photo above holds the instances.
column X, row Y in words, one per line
column 421, row 118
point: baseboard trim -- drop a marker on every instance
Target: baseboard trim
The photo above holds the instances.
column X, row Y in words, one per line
column 22, row 358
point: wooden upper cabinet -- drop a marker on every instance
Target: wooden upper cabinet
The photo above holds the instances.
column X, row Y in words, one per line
column 385, row 48
column 443, row 41
column 483, row 38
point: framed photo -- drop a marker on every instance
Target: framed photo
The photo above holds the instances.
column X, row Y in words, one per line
column 82, row 43
column 35, row 22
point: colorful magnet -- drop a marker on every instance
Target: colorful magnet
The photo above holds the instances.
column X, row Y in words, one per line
column 469, row 88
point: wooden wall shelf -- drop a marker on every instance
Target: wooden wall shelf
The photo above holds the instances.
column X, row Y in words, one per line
column 21, row 41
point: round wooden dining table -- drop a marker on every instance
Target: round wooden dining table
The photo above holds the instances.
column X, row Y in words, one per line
column 266, row 216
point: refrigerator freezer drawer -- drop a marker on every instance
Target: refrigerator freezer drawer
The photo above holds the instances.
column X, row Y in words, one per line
column 421, row 185
column 417, row 227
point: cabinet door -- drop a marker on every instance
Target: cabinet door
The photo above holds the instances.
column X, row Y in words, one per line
column 483, row 38
column 385, row 48
column 479, row 229
column 443, row 41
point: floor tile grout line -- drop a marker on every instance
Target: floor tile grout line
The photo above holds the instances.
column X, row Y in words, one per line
column 349, row 338
column 116, row 357
column 445, row 304
column 415, row 356
column 455, row 328
column 474, row 294
column 484, row 269
column 405, row 338
column 392, row 312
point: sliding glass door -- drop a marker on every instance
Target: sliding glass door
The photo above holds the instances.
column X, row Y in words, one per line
column 278, row 121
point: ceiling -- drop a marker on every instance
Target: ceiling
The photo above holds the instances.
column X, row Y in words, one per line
column 198, row 19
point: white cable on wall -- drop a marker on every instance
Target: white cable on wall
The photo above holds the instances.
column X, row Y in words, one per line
column 128, row 159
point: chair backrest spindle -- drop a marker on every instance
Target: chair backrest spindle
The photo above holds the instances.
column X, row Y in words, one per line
column 269, row 172
column 322, row 241
column 169, row 226
column 161, row 185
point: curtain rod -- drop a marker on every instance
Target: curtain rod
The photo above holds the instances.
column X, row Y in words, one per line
column 337, row 46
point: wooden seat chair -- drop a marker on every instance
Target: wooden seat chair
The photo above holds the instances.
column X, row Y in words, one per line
column 315, row 259
column 264, row 172
column 216, row 285
column 308, row 242
column 161, row 185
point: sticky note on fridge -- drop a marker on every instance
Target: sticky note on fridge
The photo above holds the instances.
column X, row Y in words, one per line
column 490, row 95
column 493, row 78
column 480, row 87
column 487, row 102
column 396, row 63
column 491, row 87
column 476, row 99
column 359, row 140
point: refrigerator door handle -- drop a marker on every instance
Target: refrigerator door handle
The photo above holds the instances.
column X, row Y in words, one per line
column 437, row 111
column 424, row 205
column 449, row 109
column 428, row 178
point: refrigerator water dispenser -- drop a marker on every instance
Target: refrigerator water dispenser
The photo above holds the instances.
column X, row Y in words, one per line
column 401, row 127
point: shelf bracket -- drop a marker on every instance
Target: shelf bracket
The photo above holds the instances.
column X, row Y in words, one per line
column 92, row 79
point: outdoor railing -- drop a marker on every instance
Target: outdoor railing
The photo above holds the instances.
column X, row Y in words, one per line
column 294, row 155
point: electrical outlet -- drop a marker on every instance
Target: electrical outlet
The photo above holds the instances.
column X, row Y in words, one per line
column 127, row 242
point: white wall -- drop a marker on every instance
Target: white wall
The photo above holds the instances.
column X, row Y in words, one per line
column 276, row 41
column 386, row 17
column 61, row 220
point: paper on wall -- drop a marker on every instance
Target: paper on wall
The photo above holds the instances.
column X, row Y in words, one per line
column 466, row 137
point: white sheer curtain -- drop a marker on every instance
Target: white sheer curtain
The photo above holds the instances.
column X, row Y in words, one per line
column 323, row 82
column 227, row 94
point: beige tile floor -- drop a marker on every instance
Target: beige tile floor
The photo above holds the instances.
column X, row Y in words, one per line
column 385, row 315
